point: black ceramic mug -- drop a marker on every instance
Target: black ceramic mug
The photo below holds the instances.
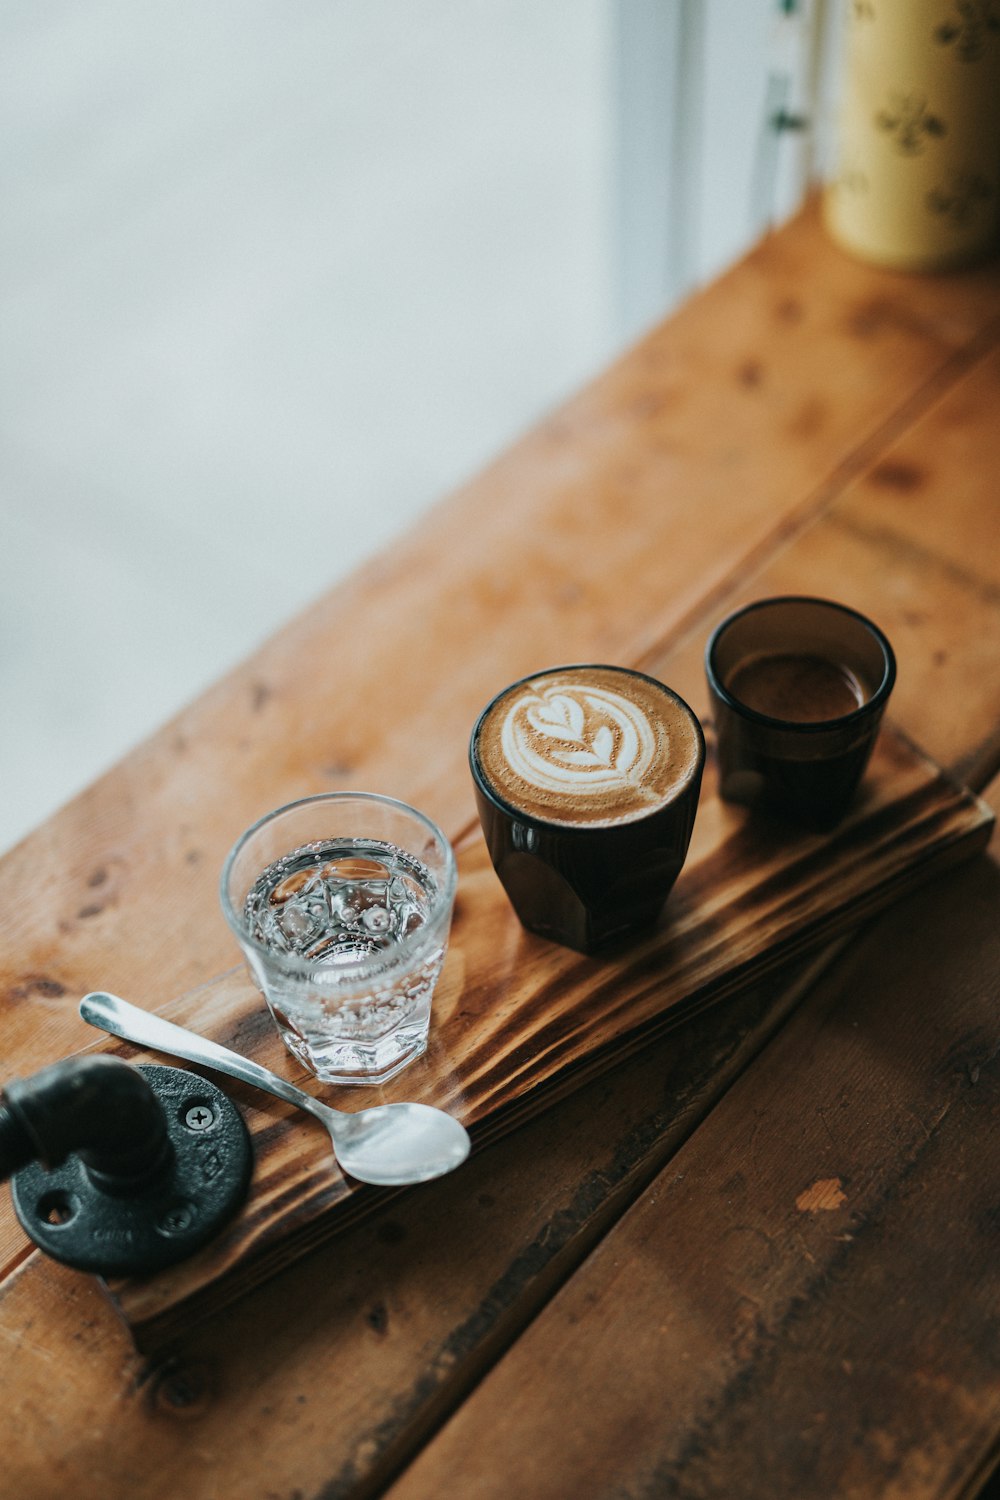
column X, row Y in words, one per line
column 798, row 688
column 587, row 781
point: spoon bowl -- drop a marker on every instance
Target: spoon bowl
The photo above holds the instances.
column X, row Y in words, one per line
column 388, row 1145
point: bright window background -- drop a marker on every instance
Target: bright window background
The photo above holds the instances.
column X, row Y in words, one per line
column 276, row 276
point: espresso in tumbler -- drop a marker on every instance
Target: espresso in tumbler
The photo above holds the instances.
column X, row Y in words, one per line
column 798, row 688
column 587, row 782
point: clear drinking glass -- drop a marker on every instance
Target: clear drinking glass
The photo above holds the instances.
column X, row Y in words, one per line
column 342, row 905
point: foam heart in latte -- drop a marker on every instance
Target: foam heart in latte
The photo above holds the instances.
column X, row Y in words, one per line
column 595, row 746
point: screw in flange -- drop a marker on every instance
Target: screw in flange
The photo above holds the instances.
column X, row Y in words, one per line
column 177, row 1219
column 199, row 1116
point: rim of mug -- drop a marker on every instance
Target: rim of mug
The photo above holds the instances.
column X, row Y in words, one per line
column 408, row 950
column 575, row 830
column 870, row 706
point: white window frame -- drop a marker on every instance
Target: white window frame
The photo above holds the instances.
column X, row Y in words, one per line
column 708, row 130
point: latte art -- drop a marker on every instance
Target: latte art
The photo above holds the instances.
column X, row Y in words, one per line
column 577, row 739
column 590, row 745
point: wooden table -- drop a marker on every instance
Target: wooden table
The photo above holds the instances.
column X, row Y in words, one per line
column 761, row 1257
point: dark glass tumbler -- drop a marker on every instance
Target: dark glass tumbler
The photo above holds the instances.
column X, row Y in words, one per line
column 798, row 689
column 589, row 886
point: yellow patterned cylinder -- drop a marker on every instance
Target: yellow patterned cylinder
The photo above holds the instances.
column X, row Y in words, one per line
column 917, row 183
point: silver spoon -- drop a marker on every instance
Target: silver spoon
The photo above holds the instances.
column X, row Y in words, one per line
column 390, row 1145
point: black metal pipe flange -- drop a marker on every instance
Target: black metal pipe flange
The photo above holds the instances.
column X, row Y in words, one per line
column 137, row 1168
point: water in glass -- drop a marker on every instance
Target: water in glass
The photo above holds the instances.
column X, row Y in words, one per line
column 335, row 905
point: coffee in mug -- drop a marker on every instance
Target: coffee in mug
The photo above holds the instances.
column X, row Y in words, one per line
column 797, row 688
column 587, row 782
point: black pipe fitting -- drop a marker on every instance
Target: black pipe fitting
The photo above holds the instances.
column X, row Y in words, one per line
column 122, row 1170
column 99, row 1107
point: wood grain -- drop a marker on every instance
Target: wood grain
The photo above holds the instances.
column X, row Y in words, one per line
column 806, row 1300
column 518, row 1021
column 911, row 541
column 326, row 1379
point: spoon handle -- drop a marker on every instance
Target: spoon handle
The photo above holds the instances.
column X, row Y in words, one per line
column 119, row 1018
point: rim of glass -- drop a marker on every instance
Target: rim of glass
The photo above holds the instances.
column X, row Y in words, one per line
column 816, row 726
column 581, row 830
column 405, row 952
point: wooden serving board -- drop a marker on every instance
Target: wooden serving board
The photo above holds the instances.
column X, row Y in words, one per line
column 518, row 1022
